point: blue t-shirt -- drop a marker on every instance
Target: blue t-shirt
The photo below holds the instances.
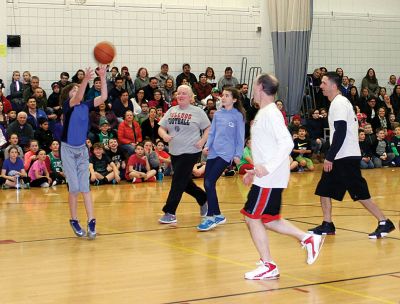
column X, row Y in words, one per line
column 13, row 168
column 76, row 122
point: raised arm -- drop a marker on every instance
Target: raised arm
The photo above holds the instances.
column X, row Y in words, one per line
column 77, row 98
column 104, row 93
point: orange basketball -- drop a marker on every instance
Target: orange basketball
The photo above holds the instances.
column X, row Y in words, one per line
column 104, row 52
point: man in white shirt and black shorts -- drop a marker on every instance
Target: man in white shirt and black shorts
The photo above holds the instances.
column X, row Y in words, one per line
column 342, row 164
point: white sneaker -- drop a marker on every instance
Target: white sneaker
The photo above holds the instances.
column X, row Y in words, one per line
column 265, row 271
column 312, row 243
column 45, row 185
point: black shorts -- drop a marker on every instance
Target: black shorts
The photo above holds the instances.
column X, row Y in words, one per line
column 345, row 176
column 263, row 203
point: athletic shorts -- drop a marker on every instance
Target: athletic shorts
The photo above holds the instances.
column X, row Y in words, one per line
column 345, row 176
column 263, row 203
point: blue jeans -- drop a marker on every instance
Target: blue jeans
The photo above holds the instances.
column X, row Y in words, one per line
column 128, row 149
column 366, row 165
column 214, row 168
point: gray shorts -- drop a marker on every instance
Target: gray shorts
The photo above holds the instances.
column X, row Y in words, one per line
column 75, row 161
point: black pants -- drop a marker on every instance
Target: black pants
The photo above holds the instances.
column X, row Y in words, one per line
column 182, row 182
column 39, row 181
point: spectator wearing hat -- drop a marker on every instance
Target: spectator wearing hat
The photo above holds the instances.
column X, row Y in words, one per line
column 215, row 96
column 227, row 79
column 295, row 124
column 43, row 134
column 202, row 88
column 105, row 133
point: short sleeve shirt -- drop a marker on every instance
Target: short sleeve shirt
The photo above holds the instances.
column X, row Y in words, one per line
column 185, row 126
column 13, row 168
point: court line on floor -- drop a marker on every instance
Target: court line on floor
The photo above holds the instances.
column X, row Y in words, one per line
column 232, row 262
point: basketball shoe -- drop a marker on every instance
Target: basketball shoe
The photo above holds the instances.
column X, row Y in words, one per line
column 79, row 232
column 325, row 228
column 383, row 229
column 313, row 244
column 265, row 271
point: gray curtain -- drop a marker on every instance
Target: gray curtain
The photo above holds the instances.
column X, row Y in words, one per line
column 291, row 24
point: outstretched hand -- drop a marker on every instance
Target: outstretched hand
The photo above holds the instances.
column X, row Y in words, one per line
column 101, row 71
column 88, row 73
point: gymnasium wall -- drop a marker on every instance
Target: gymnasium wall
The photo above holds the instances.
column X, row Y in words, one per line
column 59, row 35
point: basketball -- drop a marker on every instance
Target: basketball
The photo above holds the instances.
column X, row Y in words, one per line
column 104, row 52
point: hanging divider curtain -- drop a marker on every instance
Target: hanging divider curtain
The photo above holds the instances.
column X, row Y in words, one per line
column 291, row 24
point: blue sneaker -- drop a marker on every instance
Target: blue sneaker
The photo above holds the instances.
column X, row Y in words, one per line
column 91, row 229
column 219, row 219
column 208, row 223
column 79, row 232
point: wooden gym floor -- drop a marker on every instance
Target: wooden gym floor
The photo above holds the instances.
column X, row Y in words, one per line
column 136, row 260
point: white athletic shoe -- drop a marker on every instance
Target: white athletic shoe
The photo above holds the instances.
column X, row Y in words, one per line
column 265, row 271
column 312, row 243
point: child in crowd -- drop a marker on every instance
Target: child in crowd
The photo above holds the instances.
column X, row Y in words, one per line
column 43, row 135
column 139, row 168
column 366, row 154
column 105, row 133
column 151, row 155
column 144, row 114
column 56, row 170
column 246, row 161
column 361, row 117
column 383, row 155
column 294, row 164
column 102, row 169
column 295, row 124
column 117, row 156
column 31, row 155
column 13, row 142
column 302, row 150
column 370, row 137
column 13, row 168
column 395, row 145
column 224, row 144
column 12, row 116
column 164, row 157
column 38, row 173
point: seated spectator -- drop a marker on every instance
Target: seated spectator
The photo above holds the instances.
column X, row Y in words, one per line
column 138, row 168
column 381, row 121
column 163, row 76
column 144, row 113
column 395, row 145
column 168, row 91
column 95, row 90
column 3, row 117
column 31, row 155
column 294, row 164
column 382, row 153
column 137, row 102
column 38, row 173
column 227, row 79
column 64, row 80
column 210, row 105
column 117, row 156
column 41, row 99
column 13, row 142
column 30, row 90
column 150, row 126
column 102, row 169
column 142, row 79
column 115, row 93
column 279, row 104
column 370, row 136
column 127, row 82
column 7, row 106
column 150, row 89
column 158, row 101
column 353, row 96
column 215, row 96
column 105, row 134
column 56, row 170
column 78, row 77
column 381, row 94
column 371, row 109
column 202, row 88
column 164, row 157
column 387, row 104
column 13, row 168
column 315, row 128
column 211, row 113
column 366, row 154
column 371, row 82
column 295, row 124
column 16, row 88
column 53, row 102
column 302, row 151
column 186, row 74
column 395, row 97
column 345, row 87
column 363, row 100
column 393, row 121
column 43, row 135
column 151, row 155
column 211, row 76
column 26, row 79
column 129, row 134
column 102, row 111
column 34, row 114
column 361, row 117
column 114, row 73
column 246, row 161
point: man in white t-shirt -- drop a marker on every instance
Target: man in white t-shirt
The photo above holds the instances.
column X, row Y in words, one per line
column 342, row 164
column 271, row 146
